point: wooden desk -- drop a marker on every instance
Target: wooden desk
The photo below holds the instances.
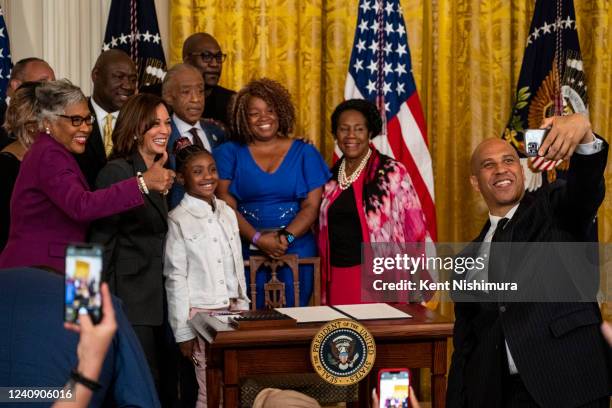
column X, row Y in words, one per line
column 234, row 354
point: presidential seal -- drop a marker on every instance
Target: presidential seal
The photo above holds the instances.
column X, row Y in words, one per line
column 343, row 352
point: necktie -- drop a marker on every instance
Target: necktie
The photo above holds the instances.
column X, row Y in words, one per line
column 486, row 250
column 501, row 224
column 498, row 254
column 196, row 139
column 108, row 134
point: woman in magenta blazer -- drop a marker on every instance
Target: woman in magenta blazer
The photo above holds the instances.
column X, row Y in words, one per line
column 51, row 205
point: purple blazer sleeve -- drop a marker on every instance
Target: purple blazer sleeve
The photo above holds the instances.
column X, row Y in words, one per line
column 64, row 184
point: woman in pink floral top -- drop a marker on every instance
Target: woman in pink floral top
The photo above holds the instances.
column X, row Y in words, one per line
column 368, row 187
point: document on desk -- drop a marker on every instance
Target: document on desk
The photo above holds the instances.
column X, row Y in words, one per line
column 311, row 314
column 225, row 319
column 371, row 311
column 199, row 325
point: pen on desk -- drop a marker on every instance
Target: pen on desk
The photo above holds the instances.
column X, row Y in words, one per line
column 224, row 313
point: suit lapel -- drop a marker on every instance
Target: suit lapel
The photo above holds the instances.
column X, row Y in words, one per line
column 522, row 219
column 94, row 141
column 519, row 217
column 512, row 242
column 156, row 199
column 483, row 232
column 213, row 139
column 174, row 136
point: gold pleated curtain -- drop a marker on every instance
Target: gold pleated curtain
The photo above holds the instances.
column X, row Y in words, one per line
column 466, row 57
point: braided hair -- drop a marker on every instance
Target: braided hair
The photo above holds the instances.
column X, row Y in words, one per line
column 184, row 152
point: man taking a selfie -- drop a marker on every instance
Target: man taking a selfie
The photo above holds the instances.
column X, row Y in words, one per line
column 534, row 354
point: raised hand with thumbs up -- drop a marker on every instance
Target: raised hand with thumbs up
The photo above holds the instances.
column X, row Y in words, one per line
column 158, row 178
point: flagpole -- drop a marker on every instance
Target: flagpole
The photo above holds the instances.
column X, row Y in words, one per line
column 132, row 27
column 559, row 59
column 380, row 63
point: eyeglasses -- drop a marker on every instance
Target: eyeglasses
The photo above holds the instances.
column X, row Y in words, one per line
column 208, row 56
column 78, row 120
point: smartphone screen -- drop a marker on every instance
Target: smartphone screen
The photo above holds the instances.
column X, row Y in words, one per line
column 394, row 388
column 82, row 282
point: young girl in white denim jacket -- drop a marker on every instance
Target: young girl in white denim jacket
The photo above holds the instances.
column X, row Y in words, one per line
column 203, row 263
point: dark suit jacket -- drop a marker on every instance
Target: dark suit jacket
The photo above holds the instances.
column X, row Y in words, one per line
column 217, row 104
column 5, row 138
column 558, row 348
column 134, row 243
column 215, row 136
column 94, row 157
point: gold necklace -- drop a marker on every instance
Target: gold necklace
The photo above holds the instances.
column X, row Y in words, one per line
column 345, row 181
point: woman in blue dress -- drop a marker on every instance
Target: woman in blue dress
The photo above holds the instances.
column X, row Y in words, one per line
column 274, row 182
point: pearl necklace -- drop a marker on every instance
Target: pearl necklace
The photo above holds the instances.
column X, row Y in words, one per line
column 345, row 181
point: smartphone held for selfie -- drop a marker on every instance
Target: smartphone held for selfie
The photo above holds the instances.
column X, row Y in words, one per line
column 533, row 140
column 394, row 388
column 82, row 282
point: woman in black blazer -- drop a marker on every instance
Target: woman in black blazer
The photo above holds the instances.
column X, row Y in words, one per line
column 134, row 240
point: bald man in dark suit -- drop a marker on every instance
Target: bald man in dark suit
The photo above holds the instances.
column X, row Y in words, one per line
column 534, row 354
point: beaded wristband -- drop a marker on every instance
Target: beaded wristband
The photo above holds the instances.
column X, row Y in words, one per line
column 142, row 186
column 256, row 237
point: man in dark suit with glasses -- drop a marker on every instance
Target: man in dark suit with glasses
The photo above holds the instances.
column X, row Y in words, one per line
column 203, row 52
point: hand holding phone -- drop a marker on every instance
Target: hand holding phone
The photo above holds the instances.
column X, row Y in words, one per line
column 566, row 133
column 82, row 282
column 394, row 388
column 95, row 340
column 533, row 140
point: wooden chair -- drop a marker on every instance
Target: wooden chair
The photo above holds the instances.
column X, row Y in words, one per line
column 274, row 289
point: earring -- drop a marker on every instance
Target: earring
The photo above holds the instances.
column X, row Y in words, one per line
column 47, row 131
column 135, row 137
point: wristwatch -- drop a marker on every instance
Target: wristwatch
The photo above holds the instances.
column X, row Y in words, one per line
column 290, row 237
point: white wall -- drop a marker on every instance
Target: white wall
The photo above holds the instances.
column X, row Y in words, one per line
column 66, row 33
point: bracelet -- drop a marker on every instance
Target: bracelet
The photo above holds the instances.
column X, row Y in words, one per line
column 142, row 186
column 256, row 237
column 79, row 378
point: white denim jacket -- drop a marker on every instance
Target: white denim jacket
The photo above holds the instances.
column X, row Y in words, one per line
column 193, row 267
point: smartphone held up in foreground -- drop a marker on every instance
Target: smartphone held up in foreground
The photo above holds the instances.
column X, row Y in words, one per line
column 82, row 282
column 394, row 388
column 533, row 140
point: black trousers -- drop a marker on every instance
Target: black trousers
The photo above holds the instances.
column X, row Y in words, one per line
column 173, row 374
column 148, row 337
column 517, row 396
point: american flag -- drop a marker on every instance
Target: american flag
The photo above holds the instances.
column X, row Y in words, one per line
column 132, row 27
column 5, row 57
column 380, row 70
column 552, row 80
